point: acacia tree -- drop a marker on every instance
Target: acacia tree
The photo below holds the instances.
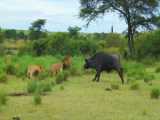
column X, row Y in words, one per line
column 37, row 29
column 74, row 31
column 138, row 14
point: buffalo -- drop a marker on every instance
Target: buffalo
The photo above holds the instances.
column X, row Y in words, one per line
column 104, row 62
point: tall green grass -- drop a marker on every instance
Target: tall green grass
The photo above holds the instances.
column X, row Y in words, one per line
column 17, row 65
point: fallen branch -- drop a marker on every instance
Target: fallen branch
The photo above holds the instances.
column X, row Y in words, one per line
column 23, row 94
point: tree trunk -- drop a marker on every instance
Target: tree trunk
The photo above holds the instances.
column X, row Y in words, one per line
column 130, row 40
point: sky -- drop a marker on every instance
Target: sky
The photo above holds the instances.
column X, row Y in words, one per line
column 60, row 14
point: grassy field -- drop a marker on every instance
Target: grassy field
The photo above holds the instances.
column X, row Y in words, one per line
column 81, row 99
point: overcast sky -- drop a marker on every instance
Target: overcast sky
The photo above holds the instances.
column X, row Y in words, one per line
column 60, row 14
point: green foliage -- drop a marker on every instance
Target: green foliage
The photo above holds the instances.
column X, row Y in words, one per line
column 3, row 78
column 21, row 35
column 45, row 86
column 135, row 86
column 134, row 16
column 39, row 47
column 148, row 78
column 155, row 93
column 10, row 69
column 61, row 77
column 10, row 34
column 32, row 86
column 61, row 87
column 1, row 36
column 36, row 29
column 62, row 43
column 74, row 71
column 74, row 31
column 147, row 44
column 39, row 87
column 135, row 70
column 43, row 75
column 37, row 99
column 157, row 69
column 3, row 98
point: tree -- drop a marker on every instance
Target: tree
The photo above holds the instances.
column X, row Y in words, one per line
column 37, row 29
column 1, row 36
column 73, row 31
column 137, row 14
column 10, row 34
column 21, row 35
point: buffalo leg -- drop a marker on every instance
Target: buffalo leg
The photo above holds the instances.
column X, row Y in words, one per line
column 98, row 73
column 94, row 79
column 120, row 73
column 98, row 76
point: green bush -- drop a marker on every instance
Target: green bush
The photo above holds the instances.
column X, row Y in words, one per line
column 148, row 78
column 37, row 99
column 135, row 70
column 155, row 93
column 39, row 87
column 66, row 75
column 157, row 69
column 3, row 78
column 43, row 75
column 3, row 98
column 62, row 43
column 135, row 86
column 60, row 78
column 32, row 86
column 45, row 86
column 61, row 87
column 10, row 69
column 74, row 71
column 147, row 44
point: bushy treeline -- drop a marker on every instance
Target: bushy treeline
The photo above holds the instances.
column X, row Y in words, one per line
column 86, row 44
column 77, row 43
column 13, row 34
column 148, row 44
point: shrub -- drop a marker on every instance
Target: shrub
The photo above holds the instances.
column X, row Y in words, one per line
column 66, row 75
column 3, row 98
column 45, row 86
column 10, row 69
column 37, row 99
column 115, row 86
column 3, row 78
column 42, row 75
column 135, row 86
column 157, row 69
column 147, row 44
column 60, row 78
column 61, row 87
column 155, row 93
column 39, row 87
column 135, row 70
column 74, row 71
column 32, row 86
column 148, row 78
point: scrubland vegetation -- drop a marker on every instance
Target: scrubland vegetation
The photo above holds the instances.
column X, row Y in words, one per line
column 71, row 94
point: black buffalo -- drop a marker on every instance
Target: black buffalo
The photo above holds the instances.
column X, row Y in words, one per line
column 104, row 62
